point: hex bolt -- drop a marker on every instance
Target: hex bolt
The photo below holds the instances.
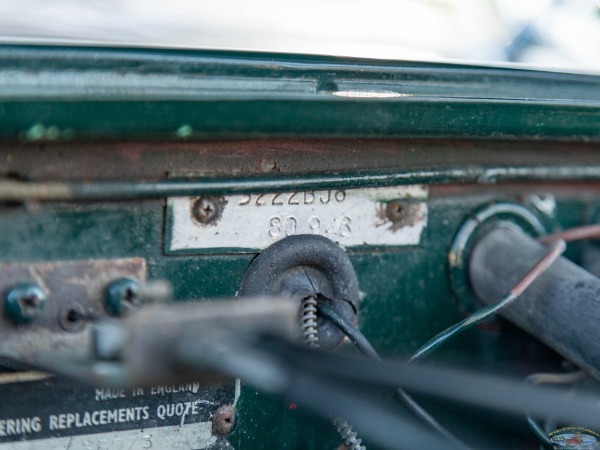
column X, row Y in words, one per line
column 24, row 303
column 121, row 296
column 223, row 420
column 205, row 209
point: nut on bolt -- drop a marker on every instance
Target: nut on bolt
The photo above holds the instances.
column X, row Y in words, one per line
column 122, row 295
column 223, row 420
column 24, row 303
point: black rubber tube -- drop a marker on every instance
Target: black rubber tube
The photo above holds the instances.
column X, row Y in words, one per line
column 561, row 308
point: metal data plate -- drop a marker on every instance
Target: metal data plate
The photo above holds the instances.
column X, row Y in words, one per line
column 350, row 217
column 69, row 285
column 56, row 413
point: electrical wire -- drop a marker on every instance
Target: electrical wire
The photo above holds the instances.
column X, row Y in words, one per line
column 294, row 373
column 345, row 326
column 310, row 336
column 557, row 248
column 362, row 343
column 309, row 308
column 573, row 234
column 558, row 239
column 513, row 294
column 301, row 374
column 568, row 235
column 476, row 389
column 551, row 378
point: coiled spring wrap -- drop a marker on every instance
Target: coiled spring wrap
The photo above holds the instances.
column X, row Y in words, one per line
column 308, row 326
column 348, row 435
column 309, row 321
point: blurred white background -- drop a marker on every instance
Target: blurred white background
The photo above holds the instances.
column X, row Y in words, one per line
column 557, row 34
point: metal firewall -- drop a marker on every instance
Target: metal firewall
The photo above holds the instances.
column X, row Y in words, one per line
column 95, row 176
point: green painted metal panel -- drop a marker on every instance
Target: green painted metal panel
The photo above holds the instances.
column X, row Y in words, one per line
column 50, row 94
column 407, row 298
column 91, row 99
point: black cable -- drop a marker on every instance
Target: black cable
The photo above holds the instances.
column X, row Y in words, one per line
column 363, row 344
column 309, row 307
column 475, row 389
column 557, row 249
column 258, row 364
column 346, row 327
column 289, row 370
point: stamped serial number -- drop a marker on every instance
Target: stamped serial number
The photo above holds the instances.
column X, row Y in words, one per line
column 340, row 227
column 293, row 198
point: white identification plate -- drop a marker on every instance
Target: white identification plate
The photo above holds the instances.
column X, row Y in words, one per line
column 390, row 216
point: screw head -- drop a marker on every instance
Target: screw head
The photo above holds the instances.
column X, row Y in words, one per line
column 395, row 210
column 24, row 303
column 205, row 210
column 403, row 213
column 121, row 296
column 223, row 420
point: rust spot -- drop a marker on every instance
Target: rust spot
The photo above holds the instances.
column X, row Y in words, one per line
column 400, row 214
column 223, row 420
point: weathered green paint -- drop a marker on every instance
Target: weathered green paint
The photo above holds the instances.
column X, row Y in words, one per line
column 24, row 302
column 407, row 294
column 100, row 93
column 163, row 96
column 333, row 117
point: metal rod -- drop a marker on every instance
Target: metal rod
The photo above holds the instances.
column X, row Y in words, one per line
column 11, row 190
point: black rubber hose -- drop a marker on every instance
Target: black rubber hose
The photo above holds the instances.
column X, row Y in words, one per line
column 561, row 308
